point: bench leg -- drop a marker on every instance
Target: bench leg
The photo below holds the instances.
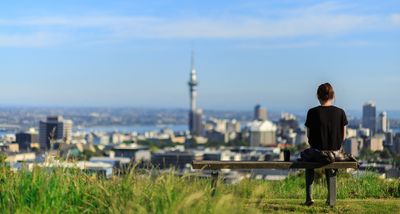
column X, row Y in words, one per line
column 214, row 180
column 331, row 187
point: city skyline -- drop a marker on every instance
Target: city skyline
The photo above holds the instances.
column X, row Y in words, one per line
column 136, row 54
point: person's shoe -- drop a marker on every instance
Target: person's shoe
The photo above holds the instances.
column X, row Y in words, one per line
column 308, row 203
column 327, row 203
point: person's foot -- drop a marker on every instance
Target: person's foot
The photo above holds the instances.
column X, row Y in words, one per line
column 327, row 203
column 308, row 203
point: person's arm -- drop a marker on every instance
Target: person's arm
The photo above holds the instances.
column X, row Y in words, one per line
column 344, row 133
column 344, row 124
column 307, row 124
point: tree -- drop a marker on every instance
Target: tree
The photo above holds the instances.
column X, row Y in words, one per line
column 385, row 154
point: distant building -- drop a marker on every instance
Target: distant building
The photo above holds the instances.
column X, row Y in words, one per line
column 290, row 136
column 216, row 136
column 133, row 152
column 116, row 162
column 351, row 132
column 388, row 139
column 197, row 127
column 233, row 126
column 217, row 125
column 222, row 130
column 262, row 133
column 288, row 121
column 396, row 143
column 175, row 159
column 214, row 156
column 98, row 139
column 20, row 157
column 363, row 132
column 301, row 136
column 25, row 139
column 376, row 143
column 369, row 117
column 353, row 145
column 383, row 123
column 260, row 113
column 54, row 128
column 117, row 138
column 67, row 130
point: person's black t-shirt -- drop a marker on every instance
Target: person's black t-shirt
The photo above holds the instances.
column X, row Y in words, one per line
column 325, row 125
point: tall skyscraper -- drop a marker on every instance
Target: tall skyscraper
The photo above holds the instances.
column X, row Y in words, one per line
column 195, row 115
column 260, row 113
column 369, row 117
column 56, row 129
column 383, row 123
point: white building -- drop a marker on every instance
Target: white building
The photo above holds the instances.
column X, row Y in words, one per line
column 383, row 123
column 262, row 133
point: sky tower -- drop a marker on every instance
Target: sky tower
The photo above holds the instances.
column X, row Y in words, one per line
column 193, row 85
column 195, row 114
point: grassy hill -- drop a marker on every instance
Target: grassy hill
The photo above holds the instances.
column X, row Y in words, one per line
column 71, row 191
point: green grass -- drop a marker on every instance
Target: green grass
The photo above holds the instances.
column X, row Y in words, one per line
column 343, row 206
column 71, row 191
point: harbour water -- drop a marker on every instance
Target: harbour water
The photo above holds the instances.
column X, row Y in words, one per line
column 130, row 129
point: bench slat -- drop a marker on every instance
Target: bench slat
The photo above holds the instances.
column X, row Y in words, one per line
column 214, row 165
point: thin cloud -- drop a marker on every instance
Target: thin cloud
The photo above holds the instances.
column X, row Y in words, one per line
column 220, row 27
column 321, row 20
column 289, row 45
column 395, row 18
column 39, row 39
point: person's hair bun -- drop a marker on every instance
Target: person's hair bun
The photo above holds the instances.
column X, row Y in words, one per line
column 325, row 92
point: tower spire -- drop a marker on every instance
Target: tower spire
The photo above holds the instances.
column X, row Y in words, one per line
column 192, row 62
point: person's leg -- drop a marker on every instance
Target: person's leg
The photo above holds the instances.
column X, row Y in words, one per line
column 309, row 182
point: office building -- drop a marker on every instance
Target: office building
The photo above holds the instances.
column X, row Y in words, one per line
column 260, row 113
column 67, row 130
column 353, row 146
column 369, row 117
column 262, row 133
column 54, row 130
column 217, row 137
column 383, row 123
column 389, row 135
column 25, row 139
column 197, row 128
column 233, row 126
column 376, row 143
column 396, row 143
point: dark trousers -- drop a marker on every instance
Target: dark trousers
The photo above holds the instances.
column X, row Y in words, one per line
column 310, row 180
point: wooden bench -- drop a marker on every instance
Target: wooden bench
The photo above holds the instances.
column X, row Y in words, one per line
column 215, row 166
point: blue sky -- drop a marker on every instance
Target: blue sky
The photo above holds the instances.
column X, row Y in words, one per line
column 137, row 53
